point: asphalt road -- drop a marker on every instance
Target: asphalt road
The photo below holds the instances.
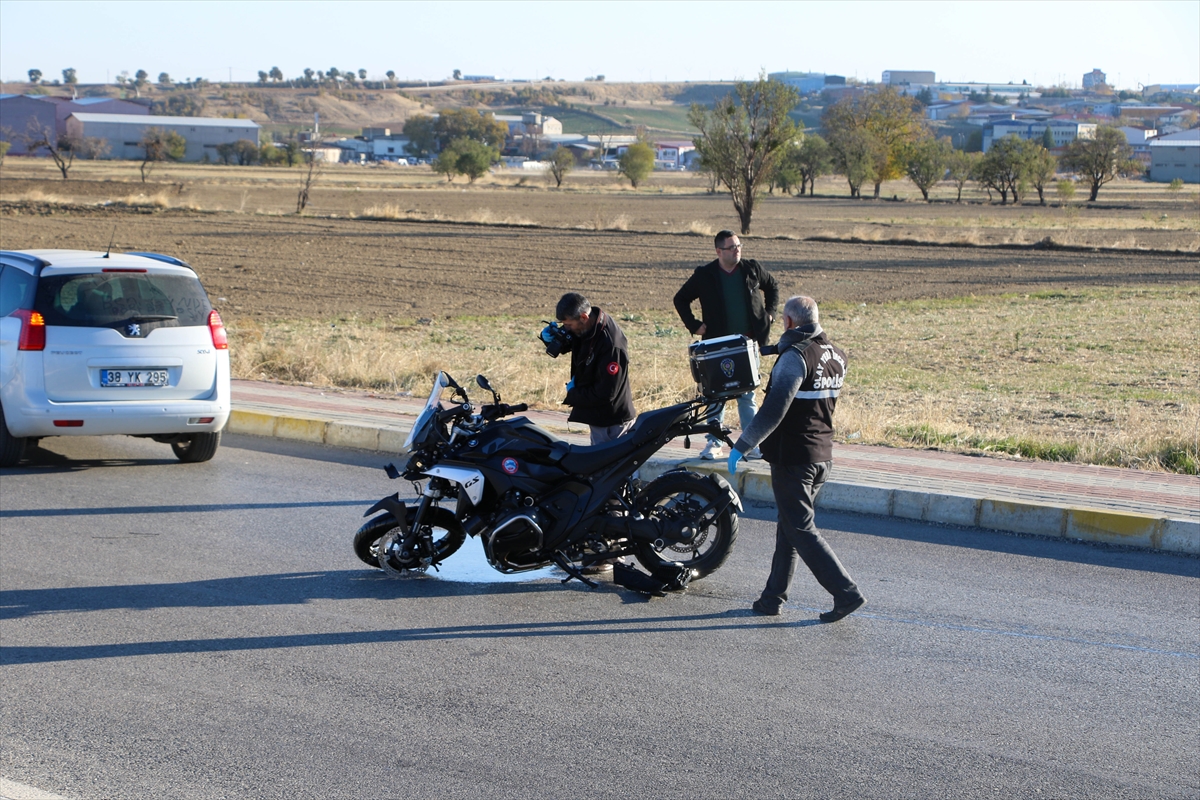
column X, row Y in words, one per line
column 200, row 631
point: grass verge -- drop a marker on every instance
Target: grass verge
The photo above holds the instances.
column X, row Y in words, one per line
column 1100, row 376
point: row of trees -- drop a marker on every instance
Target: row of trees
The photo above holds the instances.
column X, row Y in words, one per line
column 748, row 141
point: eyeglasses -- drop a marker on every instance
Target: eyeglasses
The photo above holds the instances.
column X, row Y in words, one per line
column 731, row 247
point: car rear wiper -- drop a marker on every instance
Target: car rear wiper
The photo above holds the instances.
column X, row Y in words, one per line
column 151, row 317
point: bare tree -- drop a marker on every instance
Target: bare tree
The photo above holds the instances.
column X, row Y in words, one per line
column 311, row 173
column 59, row 147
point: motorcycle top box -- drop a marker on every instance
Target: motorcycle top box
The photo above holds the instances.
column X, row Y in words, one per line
column 725, row 367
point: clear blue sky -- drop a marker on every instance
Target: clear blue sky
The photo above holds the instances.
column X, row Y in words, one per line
column 992, row 42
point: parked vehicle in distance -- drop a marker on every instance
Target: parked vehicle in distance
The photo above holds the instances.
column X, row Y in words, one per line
column 98, row 343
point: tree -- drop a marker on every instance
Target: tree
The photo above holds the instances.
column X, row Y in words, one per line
column 1102, row 158
column 422, row 138
column 465, row 156
column 925, row 162
column 164, row 79
column 262, row 76
column 4, row 145
column 1006, row 166
column 856, row 154
column 467, row 123
column 1048, row 138
column 787, row 170
column 562, row 161
column 814, row 159
column 637, row 162
column 311, row 173
column 457, row 75
column 158, row 145
column 92, row 147
column 59, row 147
column 446, row 163
column 890, row 118
column 140, row 80
column 276, row 74
column 1041, row 169
column 362, row 74
column 741, row 140
column 391, row 75
column 960, row 168
column 69, row 76
column 35, row 76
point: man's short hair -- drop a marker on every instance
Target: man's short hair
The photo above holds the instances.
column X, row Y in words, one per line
column 802, row 309
column 573, row 305
column 723, row 237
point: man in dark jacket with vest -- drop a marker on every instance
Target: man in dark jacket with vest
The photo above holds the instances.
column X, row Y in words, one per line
column 795, row 431
column 736, row 295
column 598, row 392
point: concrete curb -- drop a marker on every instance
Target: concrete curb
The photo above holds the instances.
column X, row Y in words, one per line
column 754, row 484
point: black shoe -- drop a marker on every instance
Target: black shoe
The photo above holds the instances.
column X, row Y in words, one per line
column 761, row 608
column 843, row 610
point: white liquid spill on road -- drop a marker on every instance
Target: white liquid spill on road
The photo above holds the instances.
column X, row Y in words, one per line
column 469, row 565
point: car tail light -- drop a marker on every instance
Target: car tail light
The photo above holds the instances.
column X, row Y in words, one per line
column 33, row 330
column 220, row 339
column 115, row 269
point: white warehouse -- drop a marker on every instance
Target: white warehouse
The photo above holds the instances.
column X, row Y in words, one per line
column 124, row 132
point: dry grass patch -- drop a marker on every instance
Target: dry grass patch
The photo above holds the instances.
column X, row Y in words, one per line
column 1104, row 376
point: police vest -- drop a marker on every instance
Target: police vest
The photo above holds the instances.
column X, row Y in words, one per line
column 805, row 436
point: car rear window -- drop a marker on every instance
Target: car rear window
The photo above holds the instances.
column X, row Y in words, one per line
column 104, row 299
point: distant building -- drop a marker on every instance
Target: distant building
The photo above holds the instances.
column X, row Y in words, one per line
column 804, row 82
column 489, row 78
column 530, row 124
column 896, row 77
column 124, row 132
column 66, row 106
column 1175, row 156
column 1063, row 131
column 674, row 154
column 1094, row 78
column 1139, row 140
column 23, row 116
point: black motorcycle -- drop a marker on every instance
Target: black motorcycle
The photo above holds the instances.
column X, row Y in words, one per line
column 535, row 500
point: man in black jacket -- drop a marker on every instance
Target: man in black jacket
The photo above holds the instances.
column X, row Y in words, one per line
column 736, row 296
column 795, row 430
column 598, row 392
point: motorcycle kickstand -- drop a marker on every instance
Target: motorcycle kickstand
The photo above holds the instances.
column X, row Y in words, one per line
column 572, row 571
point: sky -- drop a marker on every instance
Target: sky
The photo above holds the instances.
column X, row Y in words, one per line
column 1044, row 43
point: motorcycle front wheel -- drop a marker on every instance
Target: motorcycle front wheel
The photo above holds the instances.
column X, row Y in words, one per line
column 448, row 536
column 682, row 496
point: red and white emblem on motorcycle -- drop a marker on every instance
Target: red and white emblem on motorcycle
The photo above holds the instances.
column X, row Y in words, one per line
column 510, row 466
column 614, row 368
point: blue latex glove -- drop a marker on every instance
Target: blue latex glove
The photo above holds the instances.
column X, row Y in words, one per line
column 547, row 334
column 735, row 456
column 570, row 384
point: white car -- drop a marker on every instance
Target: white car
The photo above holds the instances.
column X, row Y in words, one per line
column 98, row 343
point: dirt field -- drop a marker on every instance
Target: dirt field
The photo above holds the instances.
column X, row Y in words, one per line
column 273, row 267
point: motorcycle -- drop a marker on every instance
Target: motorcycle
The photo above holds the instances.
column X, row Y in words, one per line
column 535, row 500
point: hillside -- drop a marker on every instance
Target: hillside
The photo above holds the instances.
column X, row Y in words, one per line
column 582, row 106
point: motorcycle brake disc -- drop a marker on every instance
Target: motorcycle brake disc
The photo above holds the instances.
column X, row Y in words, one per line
column 389, row 558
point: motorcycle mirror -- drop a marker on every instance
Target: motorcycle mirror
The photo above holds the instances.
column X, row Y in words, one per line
column 487, row 387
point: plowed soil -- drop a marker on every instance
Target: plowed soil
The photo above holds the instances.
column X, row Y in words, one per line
column 289, row 267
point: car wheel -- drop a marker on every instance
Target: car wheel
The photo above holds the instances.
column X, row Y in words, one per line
column 197, row 447
column 11, row 447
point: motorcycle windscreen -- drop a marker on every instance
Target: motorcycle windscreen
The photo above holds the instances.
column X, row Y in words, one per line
column 425, row 418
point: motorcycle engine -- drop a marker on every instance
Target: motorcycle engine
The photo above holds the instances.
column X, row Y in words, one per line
column 512, row 543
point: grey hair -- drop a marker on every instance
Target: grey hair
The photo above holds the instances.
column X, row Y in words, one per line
column 572, row 306
column 802, row 310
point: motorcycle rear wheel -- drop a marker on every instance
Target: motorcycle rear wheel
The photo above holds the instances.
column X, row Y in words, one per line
column 684, row 494
column 448, row 536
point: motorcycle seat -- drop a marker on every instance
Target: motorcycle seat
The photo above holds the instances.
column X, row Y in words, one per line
column 588, row 459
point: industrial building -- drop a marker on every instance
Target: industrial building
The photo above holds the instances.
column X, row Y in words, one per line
column 124, row 133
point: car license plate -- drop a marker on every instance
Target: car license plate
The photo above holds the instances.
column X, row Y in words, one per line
column 133, row 377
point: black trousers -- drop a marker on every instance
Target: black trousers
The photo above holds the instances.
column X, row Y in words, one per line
column 796, row 536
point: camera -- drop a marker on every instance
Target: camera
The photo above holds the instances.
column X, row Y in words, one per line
column 556, row 338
